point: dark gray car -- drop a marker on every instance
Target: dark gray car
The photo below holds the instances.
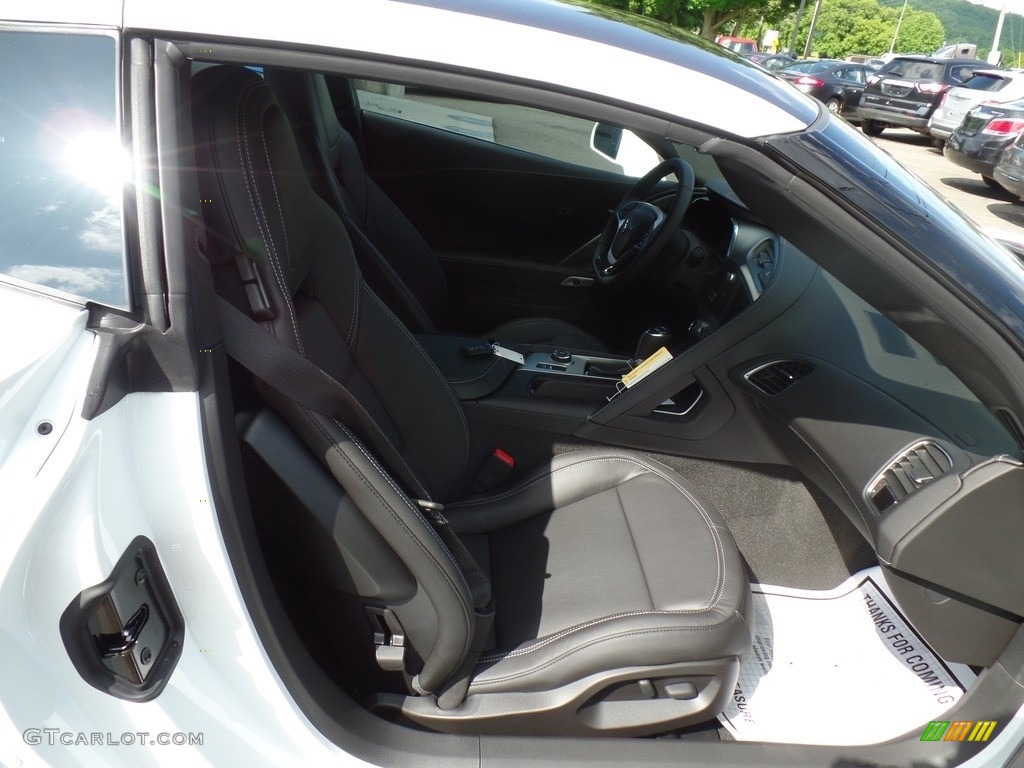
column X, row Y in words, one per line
column 906, row 91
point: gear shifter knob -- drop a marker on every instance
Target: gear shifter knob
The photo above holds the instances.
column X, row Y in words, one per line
column 651, row 340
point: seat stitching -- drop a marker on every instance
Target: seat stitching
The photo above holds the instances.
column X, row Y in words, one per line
column 354, row 323
column 420, row 489
column 596, row 641
column 430, row 363
column 241, row 127
column 277, row 198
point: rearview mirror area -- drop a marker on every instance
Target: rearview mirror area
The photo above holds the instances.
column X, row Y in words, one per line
column 624, row 148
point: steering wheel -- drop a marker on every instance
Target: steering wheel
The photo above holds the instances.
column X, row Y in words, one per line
column 637, row 230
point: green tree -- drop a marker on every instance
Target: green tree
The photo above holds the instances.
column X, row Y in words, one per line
column 920, row 32
column 719, row 16
column 671, row 11
column 863, row 27
column 710, row 17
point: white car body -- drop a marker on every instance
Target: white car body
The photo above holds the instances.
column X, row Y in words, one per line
column 71, row 490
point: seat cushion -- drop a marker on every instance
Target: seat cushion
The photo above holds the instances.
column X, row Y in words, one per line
column 600, row 561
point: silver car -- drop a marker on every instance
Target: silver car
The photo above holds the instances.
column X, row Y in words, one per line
column 993, row 85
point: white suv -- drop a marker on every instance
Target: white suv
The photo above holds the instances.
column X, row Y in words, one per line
column 986, row 85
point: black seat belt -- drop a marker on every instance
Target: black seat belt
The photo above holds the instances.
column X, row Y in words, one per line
column 298, row 379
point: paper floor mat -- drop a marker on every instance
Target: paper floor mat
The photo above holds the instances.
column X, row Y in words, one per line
column 840, row 667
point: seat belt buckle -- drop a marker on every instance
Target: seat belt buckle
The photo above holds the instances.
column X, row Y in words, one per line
column 494, row 470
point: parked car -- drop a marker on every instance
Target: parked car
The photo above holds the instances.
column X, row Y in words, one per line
column 985, row 132
column 906, row 91
column 737, row 44
column 770, row 61
column 1009, row 170
column 324, row 439
column 837, row 84
column 986, row 85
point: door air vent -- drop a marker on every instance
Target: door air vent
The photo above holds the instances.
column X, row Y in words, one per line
column 912, row 469
column 779, row 375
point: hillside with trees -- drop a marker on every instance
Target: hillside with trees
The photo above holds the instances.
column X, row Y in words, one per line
column 848, row 27
column 844, row 27
column 965, row 22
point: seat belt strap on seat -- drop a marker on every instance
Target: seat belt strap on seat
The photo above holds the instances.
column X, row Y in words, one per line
column 307, row 384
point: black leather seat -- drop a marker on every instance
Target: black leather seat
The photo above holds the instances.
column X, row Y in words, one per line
column 399, row 263
column 620, row 600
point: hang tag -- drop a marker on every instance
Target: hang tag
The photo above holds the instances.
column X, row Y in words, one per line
column 647, row 367
column 508, row 354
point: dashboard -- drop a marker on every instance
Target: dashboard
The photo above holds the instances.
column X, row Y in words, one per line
column 806, row 373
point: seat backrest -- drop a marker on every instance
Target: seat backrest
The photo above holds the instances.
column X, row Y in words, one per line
column 281, row 254
column 399, row 251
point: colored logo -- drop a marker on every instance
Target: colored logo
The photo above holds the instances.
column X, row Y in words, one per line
column 958, row 730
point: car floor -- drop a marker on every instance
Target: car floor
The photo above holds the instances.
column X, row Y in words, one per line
column 790, row 533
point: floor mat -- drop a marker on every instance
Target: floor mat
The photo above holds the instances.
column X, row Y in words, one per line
column 840, row 667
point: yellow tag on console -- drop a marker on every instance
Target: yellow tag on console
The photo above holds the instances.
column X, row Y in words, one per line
column 647, row 367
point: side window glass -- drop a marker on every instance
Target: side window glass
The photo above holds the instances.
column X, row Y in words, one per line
column 62, row 165
column 550, row 134
column 959, row 74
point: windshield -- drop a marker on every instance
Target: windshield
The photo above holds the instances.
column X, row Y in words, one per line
column 915, row 214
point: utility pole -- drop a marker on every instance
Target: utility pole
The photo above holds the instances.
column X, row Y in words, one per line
column 796, row 26
column 810, row 32
column 995, row 41
column 892, row 45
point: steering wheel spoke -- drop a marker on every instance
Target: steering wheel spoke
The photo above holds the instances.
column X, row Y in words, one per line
column 638, row 230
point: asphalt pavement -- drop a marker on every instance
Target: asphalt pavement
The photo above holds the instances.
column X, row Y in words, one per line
column 989, row 208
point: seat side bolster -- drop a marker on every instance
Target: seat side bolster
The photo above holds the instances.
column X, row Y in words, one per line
column 413, row 539
column 656, row 637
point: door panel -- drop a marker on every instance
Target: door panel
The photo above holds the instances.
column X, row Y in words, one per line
column 466, row 194
column 508, row 226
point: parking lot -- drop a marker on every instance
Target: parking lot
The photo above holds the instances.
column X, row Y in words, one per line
column 989, row 208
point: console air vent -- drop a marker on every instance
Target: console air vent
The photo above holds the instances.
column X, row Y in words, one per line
column 912, row 469
column 779, row 375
